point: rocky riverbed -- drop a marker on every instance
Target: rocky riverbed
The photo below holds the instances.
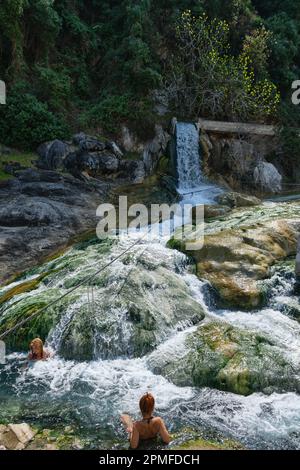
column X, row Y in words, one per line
column 166, row 330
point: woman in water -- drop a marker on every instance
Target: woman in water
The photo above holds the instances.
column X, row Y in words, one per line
column 37, row 351
column 148, row 427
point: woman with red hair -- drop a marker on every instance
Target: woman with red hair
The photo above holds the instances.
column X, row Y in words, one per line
column 149, row 427
column 37, row 351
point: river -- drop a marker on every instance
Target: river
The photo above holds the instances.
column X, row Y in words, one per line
column 101, row 365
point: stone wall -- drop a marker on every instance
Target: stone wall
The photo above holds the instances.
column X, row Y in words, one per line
column 241, row 162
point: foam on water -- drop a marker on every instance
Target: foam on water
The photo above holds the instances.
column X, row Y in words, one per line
column 97, row 392
column 93, row 394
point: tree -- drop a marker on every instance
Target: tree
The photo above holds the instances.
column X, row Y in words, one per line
column 206, row 79
column 11, row 34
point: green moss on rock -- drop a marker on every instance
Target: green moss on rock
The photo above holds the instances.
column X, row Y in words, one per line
column 235, row 260
column 221, row 356
column 40, row 325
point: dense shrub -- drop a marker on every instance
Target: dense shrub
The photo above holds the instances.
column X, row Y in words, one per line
column 206, row 79
column 25, row 122
column 99, row 62
column 289, row 133
column 113, row 110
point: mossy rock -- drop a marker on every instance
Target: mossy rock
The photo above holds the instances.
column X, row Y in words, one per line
column 149, row 306
column 138, row 302
column 203, row 444
column 163, row 166
column 233, row 199
column 221, row 356
column 191, row 439
column 21, row 288
column 40, row 325
column 210, row 211
column 235, row 260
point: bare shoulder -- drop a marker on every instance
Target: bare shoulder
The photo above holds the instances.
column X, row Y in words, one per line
column 138, row 425
column 158, row 421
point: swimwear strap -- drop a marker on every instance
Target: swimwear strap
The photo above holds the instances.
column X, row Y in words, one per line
column 148, row 419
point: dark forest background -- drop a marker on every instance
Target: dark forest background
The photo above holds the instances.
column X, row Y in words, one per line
column 95, row 64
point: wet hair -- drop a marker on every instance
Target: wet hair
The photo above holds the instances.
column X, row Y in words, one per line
column 147, row 403
column 37, row 345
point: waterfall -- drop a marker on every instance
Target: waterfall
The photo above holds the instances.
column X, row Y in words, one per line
column 188, row 158
column 192, row 185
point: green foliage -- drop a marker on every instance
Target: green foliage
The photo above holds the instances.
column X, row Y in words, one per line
column 113, row 110
column 54, row 86
column 285, row 46
column 99, row 62
column 108, row 113
column 11, row 33
column 206, row 79
column 24, row 159
column 25, row 122
column 289, row 136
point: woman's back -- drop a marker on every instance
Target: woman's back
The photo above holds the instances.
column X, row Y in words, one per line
column 147, row 428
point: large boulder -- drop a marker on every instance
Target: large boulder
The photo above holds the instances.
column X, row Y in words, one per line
column 138, row 302
column 234, row 260
column 91, row 144
column 267, row 178
column 94, row 164
column 221, row 356
column 240, row 163
column 151, row 303
column 16, row 436
column 115, row 149
column 23, row 214
column 211, row 211
column 155, row 149
column 86, row 156
column 88, row 143
column 232, row 160
column 40, row 212
column 233, row 199
column 52, row 155
column 133, row 170
column 101, row 163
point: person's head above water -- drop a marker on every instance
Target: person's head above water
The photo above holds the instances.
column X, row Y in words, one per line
column 147, row 428
column 147, row 404
column 37, row 349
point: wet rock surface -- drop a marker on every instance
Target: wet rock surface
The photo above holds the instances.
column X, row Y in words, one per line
column 15, row 436
column 241, row 163
column 221, row 356
column 210, row 211
column 40, row 211
column 233, row 200
column 25, row 437
column 239, row 250
column 88, row 156
column 136, row 304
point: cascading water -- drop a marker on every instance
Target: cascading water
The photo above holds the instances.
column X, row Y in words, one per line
column 188, row 158
column 192, row 185
column 93, row 393
column 106, row 359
